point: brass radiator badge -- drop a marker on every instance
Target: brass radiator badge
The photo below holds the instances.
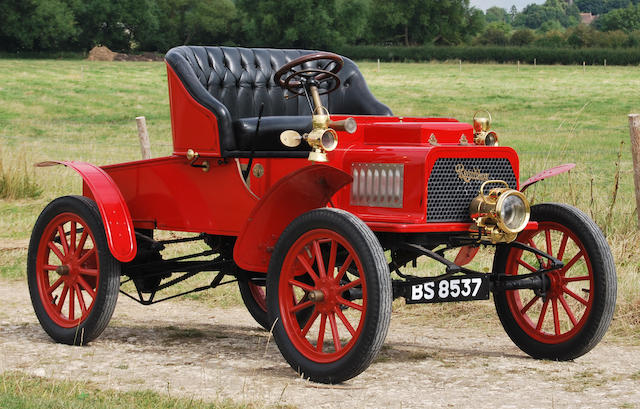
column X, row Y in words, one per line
column 469, row 175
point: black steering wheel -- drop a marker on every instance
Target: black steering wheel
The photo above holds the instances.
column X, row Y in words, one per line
column 294, row 80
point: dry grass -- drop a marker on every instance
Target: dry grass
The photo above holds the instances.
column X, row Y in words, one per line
column 17, row 178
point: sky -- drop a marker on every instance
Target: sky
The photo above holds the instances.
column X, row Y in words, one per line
column 505, row 4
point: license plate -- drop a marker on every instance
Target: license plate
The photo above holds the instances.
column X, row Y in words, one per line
column 456, row 288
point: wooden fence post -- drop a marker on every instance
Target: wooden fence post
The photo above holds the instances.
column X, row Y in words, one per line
column 634, row 132
column 145, row 145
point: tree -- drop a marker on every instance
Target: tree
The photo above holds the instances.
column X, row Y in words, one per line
column 116, row 24
column 352, row 18
column 522, row 37
column 535, row 15
column 495, row 34
column 424, row 21
column 497, row 15
column 288, row 23
column 36, row 25
column 627, row 20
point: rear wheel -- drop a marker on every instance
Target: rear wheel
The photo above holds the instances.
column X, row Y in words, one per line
column 73, row 278
column 254, row 297
column 329, row 263
column 572, row 315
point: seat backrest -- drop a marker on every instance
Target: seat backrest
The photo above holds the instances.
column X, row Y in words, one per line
column 234, row 82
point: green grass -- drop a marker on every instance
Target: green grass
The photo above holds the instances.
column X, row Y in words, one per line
column 80, row 110
column 21, row 391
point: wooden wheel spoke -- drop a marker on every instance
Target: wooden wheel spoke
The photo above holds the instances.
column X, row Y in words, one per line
column 332, row 258
column 543, row 312
column 72, row 303
column 323, row 324
column 313, row 318
column 51, row 245
column 345, row 321
column 83, row 306
column 72, row 237
column 89, row 272
column 86, row 256
column 563, row 246
column 572, row 261
column 529, row 304
column 48, row 267
column 82, row 241
column 532, row 244
column 350, row 304
column 351, row 285
column 86, row 287
column 307, row 267
column 575, row 296
column 344, row 267
column 317, row 252
column 298, row 284
column 63, row 297
column 63, row 240
column 526, row 265
column 568, row 311
column 55, row 285
column 572, row 279
column 301, row 306
column 334, row 332
column 547, row 237
column 556, row 318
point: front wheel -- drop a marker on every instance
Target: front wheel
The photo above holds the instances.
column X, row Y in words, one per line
column 570, row 317
column 329, row 263
column 73, row 278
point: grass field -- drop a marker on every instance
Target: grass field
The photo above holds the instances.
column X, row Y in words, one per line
column 21, row 391
column 79, row 110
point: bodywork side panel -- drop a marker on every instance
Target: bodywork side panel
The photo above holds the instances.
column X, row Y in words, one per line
column 169, row 194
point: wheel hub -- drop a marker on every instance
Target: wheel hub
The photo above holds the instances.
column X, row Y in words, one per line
column 63, row 270
column 325, row 295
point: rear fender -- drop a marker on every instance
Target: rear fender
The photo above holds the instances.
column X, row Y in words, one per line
column 299, row 192
column 113, row 209
column 547, row 174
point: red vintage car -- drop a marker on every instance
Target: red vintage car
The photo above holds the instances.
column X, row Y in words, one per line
column 318, row 201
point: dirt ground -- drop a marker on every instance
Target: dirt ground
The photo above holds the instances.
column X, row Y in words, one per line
column 184, row 348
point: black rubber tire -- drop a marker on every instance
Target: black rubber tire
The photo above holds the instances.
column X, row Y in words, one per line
column 255, row 309
column 109, row 272
column 604, row 287
column 378, row 282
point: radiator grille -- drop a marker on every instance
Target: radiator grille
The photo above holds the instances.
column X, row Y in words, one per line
column 377, row 184
column 453, row 183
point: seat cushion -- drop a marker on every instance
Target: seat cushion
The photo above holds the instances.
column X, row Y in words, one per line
column 268, row 136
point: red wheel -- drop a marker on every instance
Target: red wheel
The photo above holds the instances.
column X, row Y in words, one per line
column 571, row 316
column 73, row 279
column 327, row 262
column 254, row 297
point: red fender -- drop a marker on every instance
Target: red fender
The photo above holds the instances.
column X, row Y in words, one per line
column 547, row 174
column 116, row 218
column 305, row 189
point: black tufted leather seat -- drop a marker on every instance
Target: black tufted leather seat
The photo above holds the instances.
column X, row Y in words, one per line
column 233, row 83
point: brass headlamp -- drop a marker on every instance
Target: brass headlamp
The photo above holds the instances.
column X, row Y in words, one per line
column 500, row 214
column 481, row 130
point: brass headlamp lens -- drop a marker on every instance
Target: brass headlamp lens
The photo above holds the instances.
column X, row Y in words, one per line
column 329, row 140
column 512, row 210
column 486, row 138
